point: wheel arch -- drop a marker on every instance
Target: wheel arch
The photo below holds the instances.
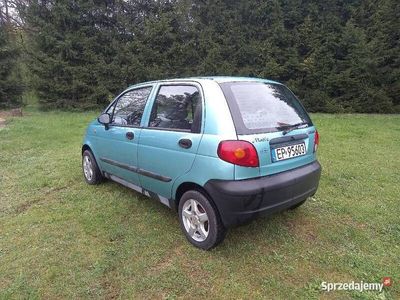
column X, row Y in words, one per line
column 187, row 186
column 86, row 147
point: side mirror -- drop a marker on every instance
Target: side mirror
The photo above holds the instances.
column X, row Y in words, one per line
column 104, row 119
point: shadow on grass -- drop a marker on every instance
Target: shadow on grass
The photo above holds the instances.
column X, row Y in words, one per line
column 266, row 231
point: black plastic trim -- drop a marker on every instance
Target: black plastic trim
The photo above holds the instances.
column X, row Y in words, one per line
column 136, row 170
column 154, row 175
column 120, row 165
column 290, row 138
column 185, row 143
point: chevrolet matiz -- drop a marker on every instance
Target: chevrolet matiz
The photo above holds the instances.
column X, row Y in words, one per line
column 218, row 150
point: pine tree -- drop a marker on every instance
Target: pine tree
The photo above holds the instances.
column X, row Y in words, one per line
column 385, row 42
column 337, row 56
column 75, row 53
column 11, row 86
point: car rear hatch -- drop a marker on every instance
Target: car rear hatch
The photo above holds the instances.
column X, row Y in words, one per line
column 270, row 117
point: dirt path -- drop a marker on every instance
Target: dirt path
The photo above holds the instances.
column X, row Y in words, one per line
column 9, row 113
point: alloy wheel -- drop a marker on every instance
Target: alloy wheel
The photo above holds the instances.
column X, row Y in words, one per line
column 195, row 220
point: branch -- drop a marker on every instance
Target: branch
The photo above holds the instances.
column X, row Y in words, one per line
column 11, row 20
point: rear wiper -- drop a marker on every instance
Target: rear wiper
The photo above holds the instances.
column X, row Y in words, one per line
column 293, row 127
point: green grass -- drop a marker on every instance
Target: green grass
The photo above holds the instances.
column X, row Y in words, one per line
column 61, row 238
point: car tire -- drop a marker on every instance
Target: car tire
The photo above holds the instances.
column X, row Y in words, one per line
column 91, row 171
column 297, row 205
column 200, row 220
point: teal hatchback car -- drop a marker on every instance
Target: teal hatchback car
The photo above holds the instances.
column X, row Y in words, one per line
column 218, row 150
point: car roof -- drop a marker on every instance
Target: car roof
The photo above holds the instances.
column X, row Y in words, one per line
column 218, row 79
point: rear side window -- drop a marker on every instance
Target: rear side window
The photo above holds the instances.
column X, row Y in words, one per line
column 258, row 107
column 177, row 107
column 129, row 107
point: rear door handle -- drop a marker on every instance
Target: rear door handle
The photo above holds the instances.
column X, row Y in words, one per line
column 129, row 135
column 185, row 143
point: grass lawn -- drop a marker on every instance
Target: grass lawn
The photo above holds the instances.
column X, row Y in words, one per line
column 61, row 238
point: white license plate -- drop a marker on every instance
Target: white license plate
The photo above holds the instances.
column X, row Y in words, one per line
column 287, row 152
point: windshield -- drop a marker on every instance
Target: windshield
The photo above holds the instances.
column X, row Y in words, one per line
column 263, row 107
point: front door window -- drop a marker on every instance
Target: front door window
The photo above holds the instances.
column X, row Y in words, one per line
column 129, row 108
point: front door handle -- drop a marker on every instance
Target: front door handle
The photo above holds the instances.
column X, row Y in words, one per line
column 185, row 143
column 129, row 135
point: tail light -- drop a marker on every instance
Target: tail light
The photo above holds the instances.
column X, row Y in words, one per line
column 316, row 140
column 241, row 153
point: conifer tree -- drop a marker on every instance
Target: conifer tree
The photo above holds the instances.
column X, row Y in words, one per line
column 11, row 86
column 337, row 56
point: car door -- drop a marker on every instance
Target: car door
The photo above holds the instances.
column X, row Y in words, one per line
column 169, row 141
column 117, row 143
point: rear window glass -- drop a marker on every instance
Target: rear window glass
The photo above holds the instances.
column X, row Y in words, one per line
column 263, row 107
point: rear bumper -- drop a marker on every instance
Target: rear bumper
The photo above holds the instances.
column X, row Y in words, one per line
column 239, row 201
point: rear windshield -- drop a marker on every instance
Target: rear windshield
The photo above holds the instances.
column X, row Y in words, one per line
column 258, row 107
